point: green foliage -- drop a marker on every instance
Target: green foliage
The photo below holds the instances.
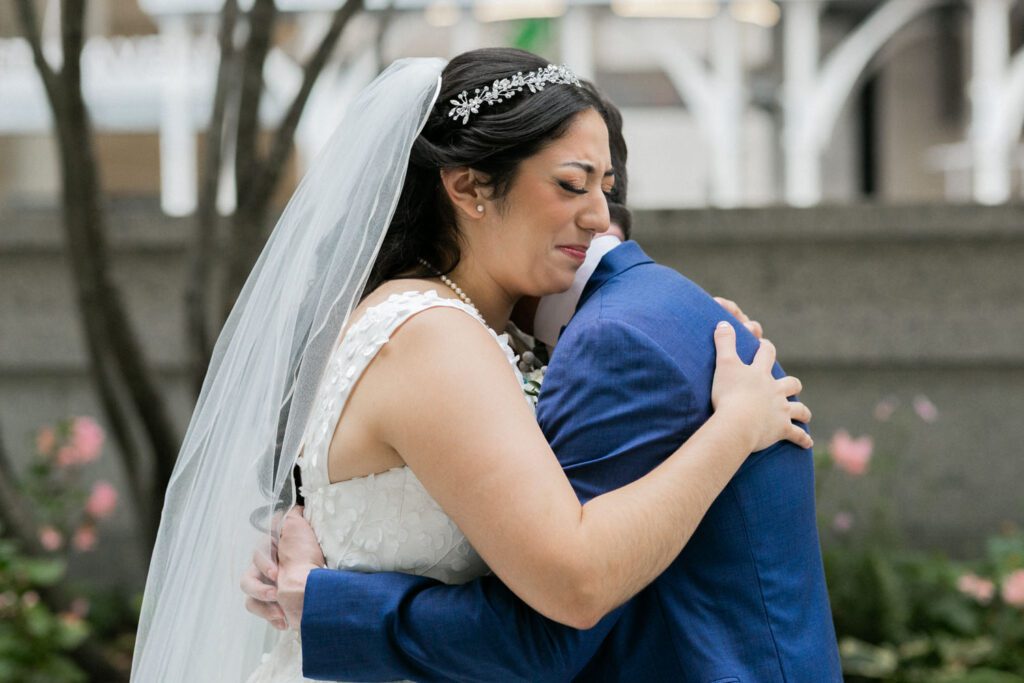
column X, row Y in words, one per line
column 34, row 641
column 902, row 618
column 915, row 617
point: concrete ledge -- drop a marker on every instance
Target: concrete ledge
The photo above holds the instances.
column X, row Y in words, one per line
column 835, row 224
column 864, row 303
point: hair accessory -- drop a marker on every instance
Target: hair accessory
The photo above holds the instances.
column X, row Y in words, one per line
column 506, row 88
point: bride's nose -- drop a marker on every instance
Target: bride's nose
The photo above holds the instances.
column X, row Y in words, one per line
column 594, row 218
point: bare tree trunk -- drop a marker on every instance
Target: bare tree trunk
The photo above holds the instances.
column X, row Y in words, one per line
column 201, row 252
column 273, row 166
column 261, row 176
column 128, row 390
column 261, row 19
column 125, row 382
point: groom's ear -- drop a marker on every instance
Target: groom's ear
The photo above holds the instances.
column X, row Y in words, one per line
column 467, row 190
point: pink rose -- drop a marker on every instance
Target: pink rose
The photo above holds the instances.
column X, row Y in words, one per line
column 849, row 454
column 50, row 538
column 1013, row 589
column 87, row 438
column 925, row 409
column 85, row 538
column 102, row 500
column 46, row 439
column 982, row 590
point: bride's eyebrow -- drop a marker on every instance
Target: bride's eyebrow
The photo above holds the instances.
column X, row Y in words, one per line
column 588, row 167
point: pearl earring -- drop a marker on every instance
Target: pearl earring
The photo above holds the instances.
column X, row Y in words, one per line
column 479, row 208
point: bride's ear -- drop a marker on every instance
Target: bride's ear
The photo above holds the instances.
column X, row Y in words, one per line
column 467, row 190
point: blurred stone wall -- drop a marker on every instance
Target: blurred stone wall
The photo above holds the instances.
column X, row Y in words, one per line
column 887, row 304
column 866, row 304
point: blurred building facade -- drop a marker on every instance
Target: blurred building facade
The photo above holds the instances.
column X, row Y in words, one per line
column 726, row 102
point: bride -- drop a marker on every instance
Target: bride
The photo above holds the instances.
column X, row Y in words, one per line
column 363, row 348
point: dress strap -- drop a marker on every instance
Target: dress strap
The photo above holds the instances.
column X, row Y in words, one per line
column 353, row 354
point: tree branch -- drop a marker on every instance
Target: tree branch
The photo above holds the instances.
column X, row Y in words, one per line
column 273, row 167
column 111, row 395
column 114, row 349
column 30, row 29
column 201, row 251
column 261, row 18
column 259, row 178
column 72, row 35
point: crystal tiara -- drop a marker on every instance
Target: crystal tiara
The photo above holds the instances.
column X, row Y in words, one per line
column 505, row 88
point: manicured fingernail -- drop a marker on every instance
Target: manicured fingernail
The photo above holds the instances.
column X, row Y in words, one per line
column 723, row 325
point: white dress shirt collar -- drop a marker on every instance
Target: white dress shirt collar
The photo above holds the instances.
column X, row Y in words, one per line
column 555, row 310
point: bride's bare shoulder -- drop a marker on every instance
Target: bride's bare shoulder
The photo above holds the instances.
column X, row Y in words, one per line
column 453, row 328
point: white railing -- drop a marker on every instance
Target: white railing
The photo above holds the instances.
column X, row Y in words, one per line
column 165, row 83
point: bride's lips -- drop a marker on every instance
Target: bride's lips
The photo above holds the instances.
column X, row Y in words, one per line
column 574, row 251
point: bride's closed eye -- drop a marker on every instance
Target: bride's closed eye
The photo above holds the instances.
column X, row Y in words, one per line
column 576, row 189
column 569, row 186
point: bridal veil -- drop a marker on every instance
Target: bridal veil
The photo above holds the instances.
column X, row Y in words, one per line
column 233, row 476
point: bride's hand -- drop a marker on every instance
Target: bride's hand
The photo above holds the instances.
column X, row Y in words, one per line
column 734, row 309
column 755, row 402
column 298, row 553
column 259, row 585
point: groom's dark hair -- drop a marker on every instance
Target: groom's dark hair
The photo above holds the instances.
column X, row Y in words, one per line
column 494, row 141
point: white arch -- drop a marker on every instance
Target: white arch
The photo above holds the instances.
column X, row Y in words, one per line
column 814, row 97
column 848, row 61
column 997, row 101
column 990, row 47
column 691, row 81
column 716, row 99
column 1012, row 120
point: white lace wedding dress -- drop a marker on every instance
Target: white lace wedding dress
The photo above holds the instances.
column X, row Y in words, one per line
column 382, row 522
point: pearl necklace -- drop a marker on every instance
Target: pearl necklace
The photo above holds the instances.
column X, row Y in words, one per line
column 450, row 283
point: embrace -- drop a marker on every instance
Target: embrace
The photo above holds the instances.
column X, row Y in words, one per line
column 369, row 457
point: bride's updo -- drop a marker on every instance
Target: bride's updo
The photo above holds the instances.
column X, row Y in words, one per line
column 493, row 141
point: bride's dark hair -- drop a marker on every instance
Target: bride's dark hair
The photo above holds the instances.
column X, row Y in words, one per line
column 494, row 142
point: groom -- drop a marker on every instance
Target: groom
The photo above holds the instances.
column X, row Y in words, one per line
column 630, row 379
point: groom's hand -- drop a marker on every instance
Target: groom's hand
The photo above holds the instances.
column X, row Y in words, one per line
column 298, row 553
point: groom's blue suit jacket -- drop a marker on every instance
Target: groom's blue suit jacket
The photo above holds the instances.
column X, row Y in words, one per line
column 745, row 602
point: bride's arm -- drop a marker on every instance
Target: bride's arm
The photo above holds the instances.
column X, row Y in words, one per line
column 457, row 416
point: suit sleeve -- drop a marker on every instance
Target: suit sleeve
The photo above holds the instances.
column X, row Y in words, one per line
column 613, row 407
